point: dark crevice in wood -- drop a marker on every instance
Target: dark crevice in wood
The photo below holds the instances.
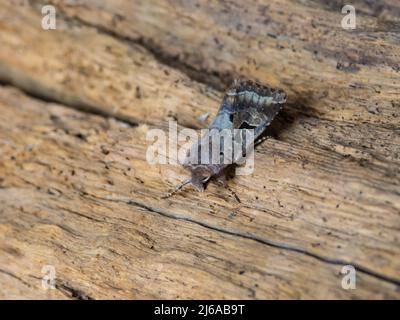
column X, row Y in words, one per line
column 72, row 292
column 214, row 79
column 50, row 98
column 67, row 290
column 264, row 241
column 15, row 277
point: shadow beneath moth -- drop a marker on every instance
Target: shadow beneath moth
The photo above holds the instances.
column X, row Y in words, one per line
column 247, row 109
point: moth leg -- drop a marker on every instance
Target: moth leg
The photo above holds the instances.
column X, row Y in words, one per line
column 222, row 179
column 177, row 188
column 234, row 195
column 223, row 176
column 198, row 185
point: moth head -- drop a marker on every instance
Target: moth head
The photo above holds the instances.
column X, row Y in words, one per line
column 200, row 175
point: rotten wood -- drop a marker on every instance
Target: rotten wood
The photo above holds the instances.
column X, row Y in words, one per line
column 324, row 194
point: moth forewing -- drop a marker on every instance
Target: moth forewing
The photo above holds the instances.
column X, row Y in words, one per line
column 246, row 110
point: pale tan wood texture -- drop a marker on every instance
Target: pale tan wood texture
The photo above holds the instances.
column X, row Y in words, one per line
column 77, row 192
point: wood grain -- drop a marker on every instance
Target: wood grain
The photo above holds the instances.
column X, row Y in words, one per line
column 91, row 224
column 77, row 191
column 332, row 73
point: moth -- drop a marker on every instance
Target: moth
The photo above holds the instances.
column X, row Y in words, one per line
column 247, row 106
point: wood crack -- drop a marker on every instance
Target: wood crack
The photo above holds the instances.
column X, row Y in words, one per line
column 213, row 79
column 15, row 277
column 41, row 95
column 264, row 241
column 72, row 292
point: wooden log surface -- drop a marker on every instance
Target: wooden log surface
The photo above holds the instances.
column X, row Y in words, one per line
column 77, row 192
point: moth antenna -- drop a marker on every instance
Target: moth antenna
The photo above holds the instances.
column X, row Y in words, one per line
column 177, row 188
